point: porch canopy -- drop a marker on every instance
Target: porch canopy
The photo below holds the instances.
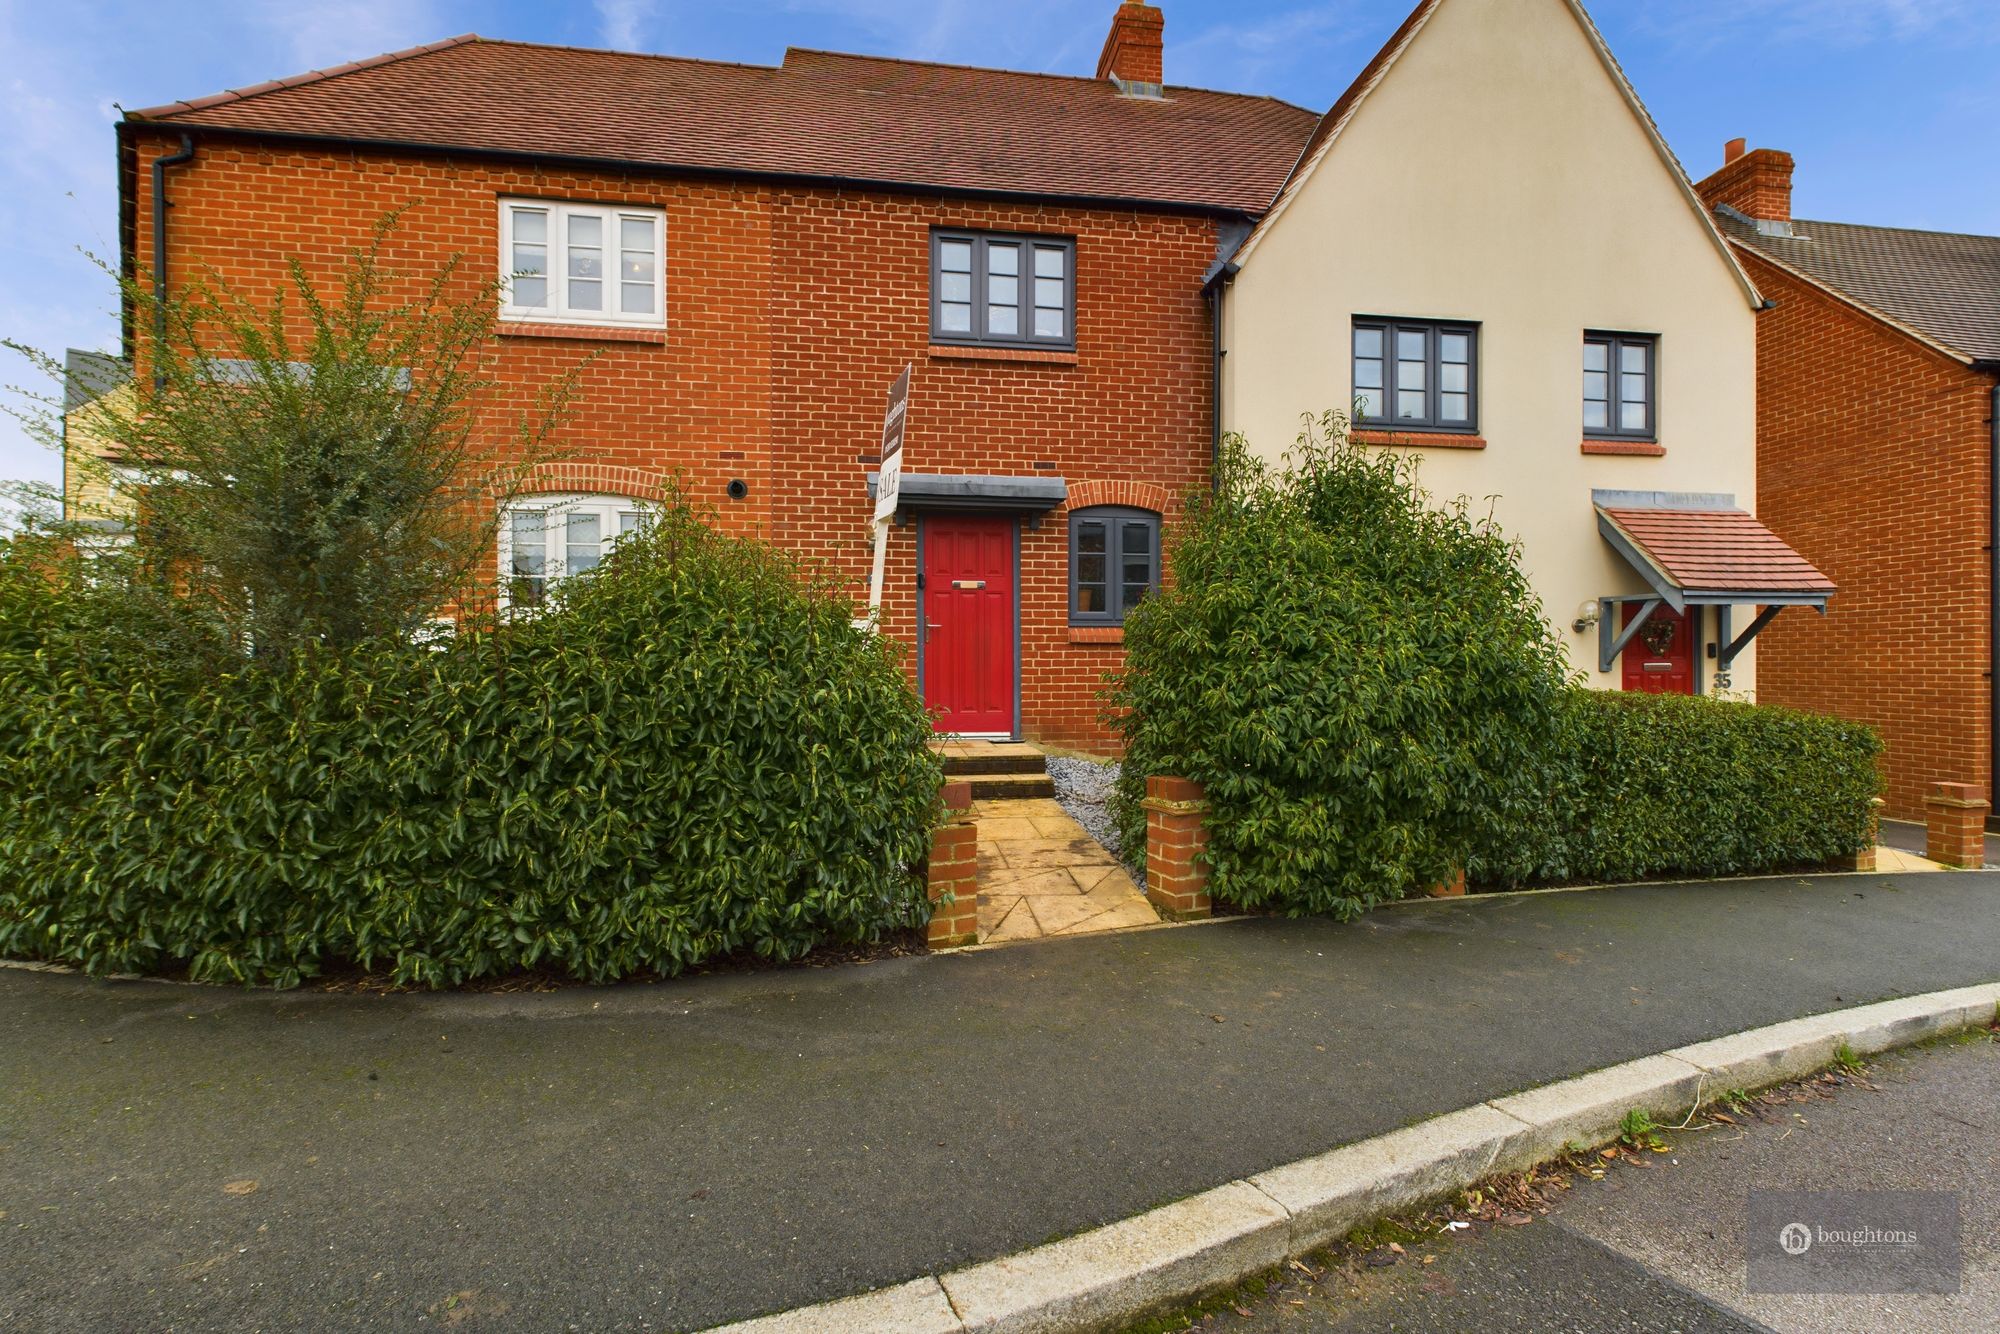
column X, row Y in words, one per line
column 1697, row 549
column 1029, row 497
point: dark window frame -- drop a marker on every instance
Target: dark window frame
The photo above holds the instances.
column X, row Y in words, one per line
column 1614, row 343
column 1114, row 518
column 978, row 336
column 1433, row 330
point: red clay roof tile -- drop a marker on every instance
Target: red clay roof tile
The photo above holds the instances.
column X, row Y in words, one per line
column 819, row 115
column 1718, row 551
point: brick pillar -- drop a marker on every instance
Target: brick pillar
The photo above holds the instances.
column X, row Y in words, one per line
column 1176, row 882
column 1955, row 824
column 1864, row 860
column 1450, row 889
column 954, row 869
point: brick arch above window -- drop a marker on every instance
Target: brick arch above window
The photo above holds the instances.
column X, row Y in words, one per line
column 601, row 479
column 1132, row 495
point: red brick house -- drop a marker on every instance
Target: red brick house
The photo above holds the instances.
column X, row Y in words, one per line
column 755, row 253
column 1878, row 446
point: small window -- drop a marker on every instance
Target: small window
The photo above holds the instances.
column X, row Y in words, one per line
column 1416, row 374
column 1619, row 371
column 1114, row 562
column 999, row 290
column 582, row 263
column 545, row 539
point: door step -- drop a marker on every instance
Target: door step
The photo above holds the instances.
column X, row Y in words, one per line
column 1006, row 785
column 964, row 766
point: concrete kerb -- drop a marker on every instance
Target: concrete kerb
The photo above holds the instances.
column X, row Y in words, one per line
column 1177, row 1253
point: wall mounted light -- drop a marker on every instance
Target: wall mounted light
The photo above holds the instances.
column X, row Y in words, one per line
column 1587, row 615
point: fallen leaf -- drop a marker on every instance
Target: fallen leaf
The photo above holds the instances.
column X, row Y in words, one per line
column 244, row 1187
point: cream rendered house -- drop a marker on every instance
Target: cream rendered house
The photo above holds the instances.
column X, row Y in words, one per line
column 1488, row 248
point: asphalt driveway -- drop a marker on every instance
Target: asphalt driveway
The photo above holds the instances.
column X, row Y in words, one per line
column 673, row 1156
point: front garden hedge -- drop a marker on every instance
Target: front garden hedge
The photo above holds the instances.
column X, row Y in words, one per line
column 691, row 753
column 1650, row 785
column 1361, row 680
column 1365, row 684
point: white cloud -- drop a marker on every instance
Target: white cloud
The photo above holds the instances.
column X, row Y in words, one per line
column 1831, row 22
column 1052, row 36
column 332, row 32
column 1241, row 56
column 621, row 22
column 58, row 169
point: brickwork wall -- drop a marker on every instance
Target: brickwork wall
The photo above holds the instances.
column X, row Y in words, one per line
column 1872, row 460
column 788, row 313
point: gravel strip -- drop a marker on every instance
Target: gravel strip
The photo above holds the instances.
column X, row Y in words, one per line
column 1082, row 789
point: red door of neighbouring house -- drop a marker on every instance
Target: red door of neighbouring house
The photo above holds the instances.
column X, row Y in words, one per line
column 968, row 623
column 1660, row 658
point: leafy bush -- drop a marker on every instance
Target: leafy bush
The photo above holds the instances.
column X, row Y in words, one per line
column 1365, row 685
column 691, row 753
column 1361, row 679
column 1646, row 785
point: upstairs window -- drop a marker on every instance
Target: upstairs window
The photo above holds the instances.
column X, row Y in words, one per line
column 995, row 290
column 1416, row 374
column 1618, row 384
column 1114, row 562
column 582, row 263
column 546, row 539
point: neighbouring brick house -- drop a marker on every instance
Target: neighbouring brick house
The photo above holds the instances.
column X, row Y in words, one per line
column 1878, row 393
column 755, row 253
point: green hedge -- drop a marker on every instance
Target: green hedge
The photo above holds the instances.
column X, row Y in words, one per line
column 692, row 753
column 1651, row 785
column 1361, row 680
column 1364, row 682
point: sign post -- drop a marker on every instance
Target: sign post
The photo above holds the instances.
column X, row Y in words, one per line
column 887, row 487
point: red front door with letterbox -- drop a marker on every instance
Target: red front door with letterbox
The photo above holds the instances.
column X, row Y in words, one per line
column 968, row 623
column 1660, row 658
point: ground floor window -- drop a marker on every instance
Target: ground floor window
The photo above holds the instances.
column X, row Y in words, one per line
column 545, row 539
column 1114, row 562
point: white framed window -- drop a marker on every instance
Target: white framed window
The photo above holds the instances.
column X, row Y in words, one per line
column 582, row 263
column 546, row 539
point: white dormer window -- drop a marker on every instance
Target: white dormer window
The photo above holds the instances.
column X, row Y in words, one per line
column 582, row 263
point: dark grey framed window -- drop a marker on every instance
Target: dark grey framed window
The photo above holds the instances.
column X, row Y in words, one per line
column 1422, row 374
column 992, row 289
column 1620, row 383
column 1114, row 562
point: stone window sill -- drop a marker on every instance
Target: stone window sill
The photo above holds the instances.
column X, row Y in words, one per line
column 1097, row 634
column 1420, row 439
column 1639, row 448
column 590, row 333
column 1030, row 355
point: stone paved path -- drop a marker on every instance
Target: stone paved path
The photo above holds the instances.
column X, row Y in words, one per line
column 1041, row 875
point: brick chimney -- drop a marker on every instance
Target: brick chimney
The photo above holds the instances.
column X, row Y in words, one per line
column 1132, row 56
column 1756, row 183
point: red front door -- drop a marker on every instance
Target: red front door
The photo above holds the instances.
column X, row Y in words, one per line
column 1660, row 658
column 968, row 629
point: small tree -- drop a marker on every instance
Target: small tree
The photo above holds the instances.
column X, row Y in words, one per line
column 318, row 467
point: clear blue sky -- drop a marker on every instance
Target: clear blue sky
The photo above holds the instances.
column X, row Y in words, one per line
column 1890, row 106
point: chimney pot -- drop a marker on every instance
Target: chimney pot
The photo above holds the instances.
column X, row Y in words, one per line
column 1132, row 56
column 1733, row 150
